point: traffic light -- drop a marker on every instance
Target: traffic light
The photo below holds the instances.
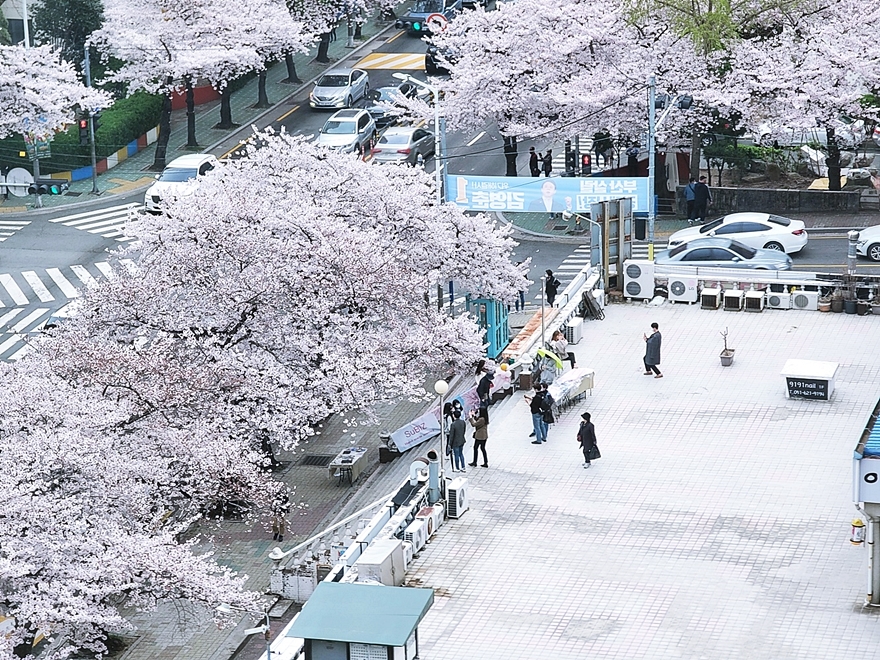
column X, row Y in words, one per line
column 83, row 123
column 96, row 121
column 48, row 186
column 570, row 160
column 586, row 165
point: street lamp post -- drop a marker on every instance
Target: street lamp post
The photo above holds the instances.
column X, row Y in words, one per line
column 225, row 608
column 438, row 147
column 652, row 99
column 441, row 387
column 567, row 214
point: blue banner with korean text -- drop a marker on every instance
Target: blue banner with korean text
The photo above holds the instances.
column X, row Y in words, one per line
column 543, row 195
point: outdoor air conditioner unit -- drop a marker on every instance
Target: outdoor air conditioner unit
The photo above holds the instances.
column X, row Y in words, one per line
column 638, row 279
column 574, row 330
column 417, row 534
column 805, row 300
column 457, row 498
column 733, row 300
column 683, row 289
column 754, row 301
column 408, row 554
column 778, row 300
column 710, row 298
column 433, row 517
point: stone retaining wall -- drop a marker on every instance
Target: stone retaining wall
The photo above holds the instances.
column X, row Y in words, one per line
column 777, row 201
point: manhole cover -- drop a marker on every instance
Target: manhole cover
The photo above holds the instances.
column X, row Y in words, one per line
column 560, row 227
column 316, row 460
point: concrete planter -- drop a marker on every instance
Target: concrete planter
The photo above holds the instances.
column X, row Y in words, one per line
column 727, row 357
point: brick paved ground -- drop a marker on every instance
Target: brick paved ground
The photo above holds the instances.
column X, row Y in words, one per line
column 716, row 524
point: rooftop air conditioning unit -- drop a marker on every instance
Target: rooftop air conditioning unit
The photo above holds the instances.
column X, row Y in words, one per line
column 754, row 301
column 417, row 534
column 710, row 298
column 457, row 498
column 433, row 517
column 574, row 330
column 805, row 300
column 683, row 289
column 638, row 279
column 778, row 300
column 733, row 300
column 408, row 555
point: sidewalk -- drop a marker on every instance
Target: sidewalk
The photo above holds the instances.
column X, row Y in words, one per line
column 133, row 174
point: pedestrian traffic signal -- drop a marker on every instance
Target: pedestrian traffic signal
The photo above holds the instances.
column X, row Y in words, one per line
column 83, row 123
column 48, row 187
column 570, row 159
column 96, row 121
column 586, row 165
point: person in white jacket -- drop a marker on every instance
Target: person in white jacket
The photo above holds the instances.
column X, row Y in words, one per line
column 559, row 345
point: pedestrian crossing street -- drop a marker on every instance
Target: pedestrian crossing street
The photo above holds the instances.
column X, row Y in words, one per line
column 108, row 222
column 9, row 227
column 29, row 298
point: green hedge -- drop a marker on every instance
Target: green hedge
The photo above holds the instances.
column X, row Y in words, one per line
column 126, row 120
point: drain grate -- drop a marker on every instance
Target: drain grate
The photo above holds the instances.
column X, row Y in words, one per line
column 560, row 227
column 316, row 460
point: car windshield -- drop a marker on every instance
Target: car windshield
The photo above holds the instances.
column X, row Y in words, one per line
column 678, row 249
column 337, row 127
column 177, row 174
column 709, row 226
column 333, row 81
column 388, row 94
column 394, row 138
column 742, row 250
column 779, row 220
column 427, row 6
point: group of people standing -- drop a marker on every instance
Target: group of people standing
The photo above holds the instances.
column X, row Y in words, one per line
column 539, row 163
column 698, row 197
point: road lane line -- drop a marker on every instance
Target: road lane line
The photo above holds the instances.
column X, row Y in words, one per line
column 479, row 135
column 287, row 114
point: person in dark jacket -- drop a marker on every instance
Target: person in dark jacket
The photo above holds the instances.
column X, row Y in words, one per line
column 480, row 421
column 690, row 191
column 534, row 161
column 587, row 438
column 456, row 441
column 483, row 389
column 702, row 197
column 539, row 403
column 547, row 162
column 652, row 351
column 551, row 287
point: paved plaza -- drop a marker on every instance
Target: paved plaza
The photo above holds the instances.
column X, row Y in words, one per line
column 716, row 525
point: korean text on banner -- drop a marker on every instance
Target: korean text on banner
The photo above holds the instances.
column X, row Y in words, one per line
column 416, row 432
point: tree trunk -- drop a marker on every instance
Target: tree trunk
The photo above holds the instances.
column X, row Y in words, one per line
column 323, row 46
column 262, row 96
column 225, row 110
column 832, row 161
column 190, row 116
column 164, row 132
column 291, row 71
column 510, row 155
column 696, row 146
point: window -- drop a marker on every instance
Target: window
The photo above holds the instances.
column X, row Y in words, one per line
column 337, row 127
column 720, row 254
column 700, row 254
column 678, row 249
column 418, row 135
column 394, row 138
column 709, row 226
column 363, row 120
column 753, row 226
column 779, row 220
column 742, row 250
column 207, row 167
column 732, row 228
column 333, row 81
column 177, row 174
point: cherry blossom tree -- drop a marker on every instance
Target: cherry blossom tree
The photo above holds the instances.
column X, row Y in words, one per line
column 39, row 92
column 290, row 286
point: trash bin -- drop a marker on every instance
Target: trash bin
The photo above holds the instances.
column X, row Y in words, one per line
column 641, row 225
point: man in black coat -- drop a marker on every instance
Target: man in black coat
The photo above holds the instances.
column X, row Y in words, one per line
column 702, row 197
column 534, row 167
column 456, row 441
column 587, row 438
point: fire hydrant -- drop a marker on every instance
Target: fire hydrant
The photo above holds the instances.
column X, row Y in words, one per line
column 857, row 536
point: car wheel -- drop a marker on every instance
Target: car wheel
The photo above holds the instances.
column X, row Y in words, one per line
column 348, row 102
column 366, row 90
column 873, row 252
column 773, row 245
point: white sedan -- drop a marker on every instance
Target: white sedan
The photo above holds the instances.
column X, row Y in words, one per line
column 869, row 243
column 762, row 231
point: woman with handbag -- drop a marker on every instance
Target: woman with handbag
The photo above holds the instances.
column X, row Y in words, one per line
column 479, row 419
column 587, row 440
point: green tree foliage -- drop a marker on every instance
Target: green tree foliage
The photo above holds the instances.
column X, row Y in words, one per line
column 67, row 24
column 5, row 39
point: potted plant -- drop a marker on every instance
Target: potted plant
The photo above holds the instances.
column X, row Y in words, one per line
column 727, row 353
column 837, row 300
column 824, row 304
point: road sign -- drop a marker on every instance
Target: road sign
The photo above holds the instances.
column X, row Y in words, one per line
column 437, row 22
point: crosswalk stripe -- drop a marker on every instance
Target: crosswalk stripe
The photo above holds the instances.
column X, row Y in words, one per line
column 109, row 223
column 9, row 227
column 9, row 343
column 90, row 214
column 8, row 316
column 30, row 318
column 20, row 353
column 37, row 285
column 66, row 287
column 392, row 61
column 84, row 276
column 105, row 269
column 13, row 289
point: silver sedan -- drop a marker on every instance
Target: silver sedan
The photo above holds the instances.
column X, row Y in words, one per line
column 404, row 144
column 722, row 253
column 340, row 88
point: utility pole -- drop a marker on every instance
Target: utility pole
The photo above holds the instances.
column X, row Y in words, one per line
column 88, row 72
column 652, row 99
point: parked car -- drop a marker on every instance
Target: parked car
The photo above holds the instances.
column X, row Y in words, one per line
column 414, row 21
column 340, row 88
column 390, row 95
column 850, row 134
column 757, row 230
column 404, row 144
column 722, row 253
column 869, row 243
column 348, row 131
column 178, row 179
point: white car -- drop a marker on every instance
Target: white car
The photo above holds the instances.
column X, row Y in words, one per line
column 348, row 131
column 762, row 231
column 869, row 243
column 179, row 179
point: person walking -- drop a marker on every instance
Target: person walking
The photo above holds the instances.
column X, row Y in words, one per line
column 536, row 406
column 702, row 199
column 559, row 345
column 483, row 389
column 456, row 441
column 551, row 286
column 534, row 161
column 480, row 421
column 632, row 160
column 652, row 351
column 547, row 162
column 689, row 197
column 587, row 438
column 280, row 509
